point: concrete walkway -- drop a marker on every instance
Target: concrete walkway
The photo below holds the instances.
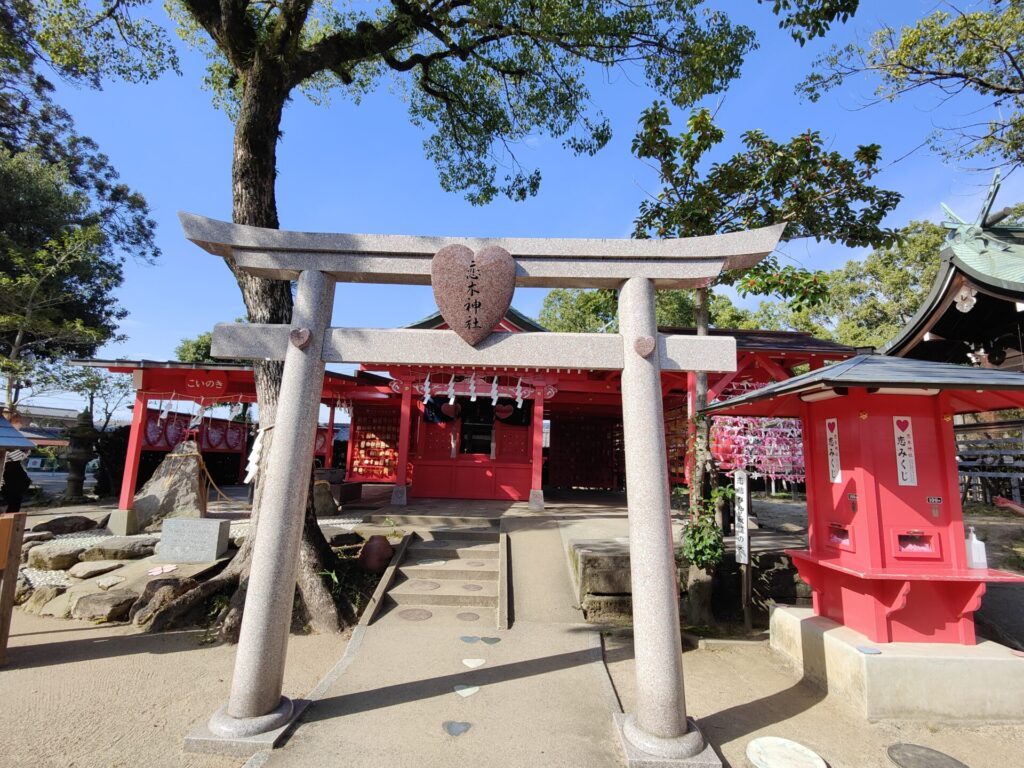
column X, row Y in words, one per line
column 542, row 695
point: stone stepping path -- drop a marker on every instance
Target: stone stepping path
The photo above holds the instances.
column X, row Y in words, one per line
column 450, row 574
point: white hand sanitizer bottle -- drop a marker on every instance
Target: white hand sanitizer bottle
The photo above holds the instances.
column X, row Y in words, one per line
column 976, row 557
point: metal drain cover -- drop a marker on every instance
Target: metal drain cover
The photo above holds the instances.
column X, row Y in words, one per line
column 916, row 756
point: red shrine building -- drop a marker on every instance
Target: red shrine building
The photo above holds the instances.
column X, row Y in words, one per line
column 465, row 433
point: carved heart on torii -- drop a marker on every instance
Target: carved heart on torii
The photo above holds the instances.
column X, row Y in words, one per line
column 473, row 290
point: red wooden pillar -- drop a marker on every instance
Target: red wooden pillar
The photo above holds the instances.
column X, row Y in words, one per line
column 329, row 456
column 537, row 456
column 131, row 462
column 400, row 493
column 691, row 424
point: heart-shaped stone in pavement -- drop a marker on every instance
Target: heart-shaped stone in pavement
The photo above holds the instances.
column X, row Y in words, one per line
column 491, row 640
column 470, row 639
column 466, row 690
column 455, row 728
column 474, row 663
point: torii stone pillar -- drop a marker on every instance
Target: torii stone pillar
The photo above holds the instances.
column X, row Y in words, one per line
column 660, row 725
column 256, row 704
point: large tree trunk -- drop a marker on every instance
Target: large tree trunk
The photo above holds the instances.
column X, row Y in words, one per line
column 254, row 203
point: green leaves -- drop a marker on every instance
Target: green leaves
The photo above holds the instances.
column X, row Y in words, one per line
column 950, row 53
column 819, row 193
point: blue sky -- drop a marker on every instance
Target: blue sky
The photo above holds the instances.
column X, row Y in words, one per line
column 360, row 168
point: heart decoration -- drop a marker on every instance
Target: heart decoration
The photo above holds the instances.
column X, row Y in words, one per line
column 470, row 639
column 455, row 728
column 473, row 290
column 644, row 346
column 474, row 663
column 300, row 337
column 451, row 411
column 466, row 690
column 831, row 426
column 902, row 424
column 504, row 410
column 491, row 640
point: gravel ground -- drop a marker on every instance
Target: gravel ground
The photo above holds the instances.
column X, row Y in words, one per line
column 79, row 695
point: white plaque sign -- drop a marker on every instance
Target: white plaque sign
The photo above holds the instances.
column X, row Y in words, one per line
column 739, row 480
column 835, row 472
column 906, row 464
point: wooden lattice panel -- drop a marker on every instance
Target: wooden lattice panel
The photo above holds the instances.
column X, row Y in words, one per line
column 586, row 452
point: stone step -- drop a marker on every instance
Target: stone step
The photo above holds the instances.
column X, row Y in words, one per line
column 452, row 593
column 481, row 535
column 432, row 521
column 455, row 616
column 451, row 549
column 451, row 569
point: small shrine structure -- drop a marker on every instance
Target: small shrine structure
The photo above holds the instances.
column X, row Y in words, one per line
column 886, row 549
column 208, row 385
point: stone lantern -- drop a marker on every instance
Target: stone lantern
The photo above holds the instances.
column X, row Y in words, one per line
column 81, row 449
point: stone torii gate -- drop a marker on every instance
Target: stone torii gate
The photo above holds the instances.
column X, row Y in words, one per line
column 317, row 261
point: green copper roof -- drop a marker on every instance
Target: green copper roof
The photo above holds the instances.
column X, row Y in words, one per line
column 984, row 249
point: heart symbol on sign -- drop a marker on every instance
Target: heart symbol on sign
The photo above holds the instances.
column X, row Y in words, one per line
column 455, row 728
column 473, row 290
column 831, row 426
column 503, row 410
column 466, row 690
column 474, row 663
column 902, row 424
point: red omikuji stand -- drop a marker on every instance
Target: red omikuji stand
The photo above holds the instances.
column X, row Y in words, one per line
column 886, row 549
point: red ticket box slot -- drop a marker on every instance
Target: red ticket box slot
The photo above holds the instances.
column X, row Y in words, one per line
column 886, row 549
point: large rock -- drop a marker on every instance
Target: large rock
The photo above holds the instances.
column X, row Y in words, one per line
column 50, row 557
column 39, row 536
column 105, row 606
column 22, row 590
column 177, row 488
column 157, row 594
column 66, row 524
column 121, row 548
column 87, row 570
column 41, row 596
column 28, row 547
column 106, row 582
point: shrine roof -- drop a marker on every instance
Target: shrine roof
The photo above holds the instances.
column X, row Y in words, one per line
column 10, row 437
column 972, row 389
column 124, row 366
column 513, row 316
column 985, row 256
column 773, row 341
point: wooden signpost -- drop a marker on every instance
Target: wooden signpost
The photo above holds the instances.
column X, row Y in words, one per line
column 12, row 528
column 742, row 487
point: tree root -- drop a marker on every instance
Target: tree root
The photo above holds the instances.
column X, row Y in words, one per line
column 327, row 611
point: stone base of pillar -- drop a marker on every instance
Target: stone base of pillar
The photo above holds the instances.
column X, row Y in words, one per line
column 399, row 496
column 537, row 500
column 644, row 750
column 123, row 522
column 244, row 736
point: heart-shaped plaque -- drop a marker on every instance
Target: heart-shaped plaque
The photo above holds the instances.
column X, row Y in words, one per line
column 473, row 290
column 902, row 424
column 504, row 410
